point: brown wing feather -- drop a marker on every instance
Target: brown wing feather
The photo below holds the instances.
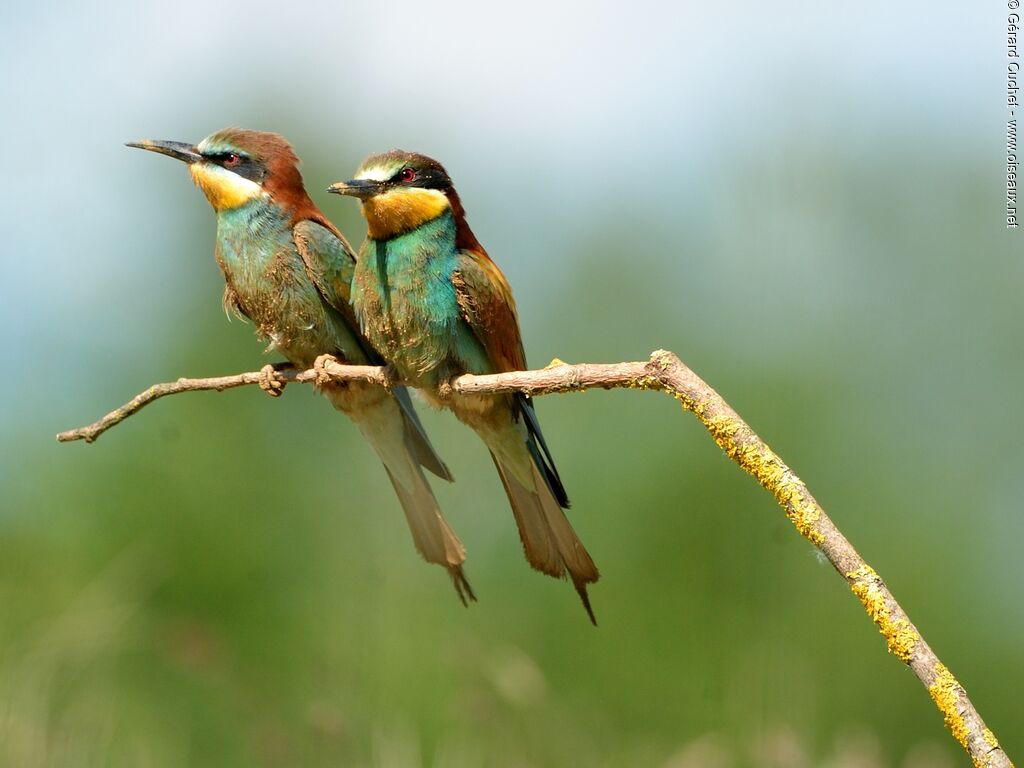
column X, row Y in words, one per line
column 329, row 263
column 485, row 299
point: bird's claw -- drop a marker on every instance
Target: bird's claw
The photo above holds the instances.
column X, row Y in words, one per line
column 320, row 368
column 271, row 381
column 445, row 389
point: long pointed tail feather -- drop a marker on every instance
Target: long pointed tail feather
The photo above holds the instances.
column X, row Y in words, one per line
column 433, row 537
column 397, row 438
column 549, row 541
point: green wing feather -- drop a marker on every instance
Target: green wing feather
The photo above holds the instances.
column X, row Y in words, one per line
column 330, row 264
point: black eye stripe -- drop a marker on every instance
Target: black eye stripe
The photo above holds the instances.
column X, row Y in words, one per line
column 427, row 178
column 246, row 167
column 223, row 157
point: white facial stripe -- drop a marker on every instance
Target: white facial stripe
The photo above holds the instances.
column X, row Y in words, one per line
column 206, row 146
column 375, row 173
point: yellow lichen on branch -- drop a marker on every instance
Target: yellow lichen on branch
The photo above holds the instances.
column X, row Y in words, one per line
column 946, row 692
column 742, row 446
column 898, row 633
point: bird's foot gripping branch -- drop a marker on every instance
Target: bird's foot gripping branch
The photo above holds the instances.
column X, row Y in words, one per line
column 666, row 373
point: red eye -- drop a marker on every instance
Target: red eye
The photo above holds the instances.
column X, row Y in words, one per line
column 231, row 160
column 407, row 174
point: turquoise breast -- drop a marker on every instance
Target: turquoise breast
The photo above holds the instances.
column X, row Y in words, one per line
column 405, row 300
column 267, row 280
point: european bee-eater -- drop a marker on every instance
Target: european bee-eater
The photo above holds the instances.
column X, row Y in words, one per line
column 433, row 303
column 289, row 271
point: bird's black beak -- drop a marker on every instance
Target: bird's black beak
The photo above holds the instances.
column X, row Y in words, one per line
column 361, row 188
column 176, row 149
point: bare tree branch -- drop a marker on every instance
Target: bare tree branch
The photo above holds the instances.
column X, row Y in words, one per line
column 665, row 372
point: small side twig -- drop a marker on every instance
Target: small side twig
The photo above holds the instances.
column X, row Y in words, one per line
column 89, row 433
column 665, row 372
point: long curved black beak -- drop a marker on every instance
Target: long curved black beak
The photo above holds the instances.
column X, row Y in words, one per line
column 176, row 149
column 361, row 188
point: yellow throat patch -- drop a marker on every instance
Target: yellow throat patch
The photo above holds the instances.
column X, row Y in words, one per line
column 402, row 210
column 225, row 190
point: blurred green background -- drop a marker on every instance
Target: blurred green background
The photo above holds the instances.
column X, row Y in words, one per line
column 805, row 203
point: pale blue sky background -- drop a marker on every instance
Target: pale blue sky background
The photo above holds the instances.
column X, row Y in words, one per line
column 542, row 112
